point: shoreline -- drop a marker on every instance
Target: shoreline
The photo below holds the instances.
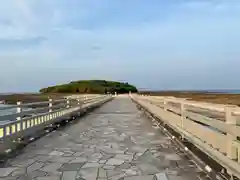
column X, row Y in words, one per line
column 205, row 96
column 12, row 99
column 212, row 97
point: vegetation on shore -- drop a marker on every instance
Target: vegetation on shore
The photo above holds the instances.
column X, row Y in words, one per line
column 27, row 98
column 219, row 98
column 91, row 87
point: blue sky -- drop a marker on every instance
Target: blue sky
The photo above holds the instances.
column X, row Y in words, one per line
column 158, row 44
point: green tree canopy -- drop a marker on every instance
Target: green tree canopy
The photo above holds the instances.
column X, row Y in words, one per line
column 91, row 86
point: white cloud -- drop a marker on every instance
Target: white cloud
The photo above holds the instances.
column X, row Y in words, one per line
column 195, row 40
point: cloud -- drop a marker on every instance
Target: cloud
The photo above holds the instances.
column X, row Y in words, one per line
column 15, row 44
column 158, row 44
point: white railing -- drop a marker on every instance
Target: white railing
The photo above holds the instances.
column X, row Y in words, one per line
column 41, row 114
column 213, row 128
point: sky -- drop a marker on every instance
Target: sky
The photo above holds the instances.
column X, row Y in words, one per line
column 156, row 45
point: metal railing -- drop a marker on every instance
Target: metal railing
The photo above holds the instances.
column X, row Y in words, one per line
column 41, row 114
column 213, row 128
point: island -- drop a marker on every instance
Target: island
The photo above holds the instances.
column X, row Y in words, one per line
column 92, row 87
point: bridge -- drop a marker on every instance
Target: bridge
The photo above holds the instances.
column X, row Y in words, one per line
column 127, row 137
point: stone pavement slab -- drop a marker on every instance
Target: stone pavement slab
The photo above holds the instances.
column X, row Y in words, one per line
column 115, row 142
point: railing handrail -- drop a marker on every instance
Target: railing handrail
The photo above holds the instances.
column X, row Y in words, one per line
column 198, row 104
column 29, row 104
column 9, row 128
column 218, row 138
column 30, row 111
column 10, row 116
column 35, row 103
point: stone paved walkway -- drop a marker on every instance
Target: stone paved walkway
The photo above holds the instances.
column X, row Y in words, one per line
column 115, row 142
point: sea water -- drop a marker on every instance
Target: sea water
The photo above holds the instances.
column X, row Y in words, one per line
column 6, row 111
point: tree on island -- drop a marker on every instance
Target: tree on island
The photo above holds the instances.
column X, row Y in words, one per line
column 92, row 86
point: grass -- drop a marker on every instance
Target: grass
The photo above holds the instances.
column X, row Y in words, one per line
column 219, row 98
column 29, row 98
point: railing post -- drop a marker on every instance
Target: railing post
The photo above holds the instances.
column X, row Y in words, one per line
column 68, row 102
column 19, row 109
column 165, row 104
column 231, row 120
column 50, row 105
column 182, row 106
